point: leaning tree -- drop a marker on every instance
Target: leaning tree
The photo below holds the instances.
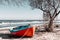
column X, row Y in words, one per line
column 50, row 7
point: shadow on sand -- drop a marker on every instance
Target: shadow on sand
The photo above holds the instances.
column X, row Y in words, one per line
column 9, row 36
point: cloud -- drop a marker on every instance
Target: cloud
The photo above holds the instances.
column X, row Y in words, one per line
column 22, row 12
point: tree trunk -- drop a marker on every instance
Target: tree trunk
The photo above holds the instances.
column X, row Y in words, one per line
column 49, row 28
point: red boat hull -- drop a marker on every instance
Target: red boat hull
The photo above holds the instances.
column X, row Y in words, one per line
column 26, row 32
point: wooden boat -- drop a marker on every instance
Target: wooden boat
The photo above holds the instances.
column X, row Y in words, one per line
column 25, row 30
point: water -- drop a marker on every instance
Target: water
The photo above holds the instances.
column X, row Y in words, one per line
column 12, row 23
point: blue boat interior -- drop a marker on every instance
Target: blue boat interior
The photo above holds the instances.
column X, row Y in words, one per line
column 19, row 28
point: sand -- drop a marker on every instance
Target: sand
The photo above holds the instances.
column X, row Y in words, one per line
column 5, row 35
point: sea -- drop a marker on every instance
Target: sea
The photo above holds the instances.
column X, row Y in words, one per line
column 13, row 23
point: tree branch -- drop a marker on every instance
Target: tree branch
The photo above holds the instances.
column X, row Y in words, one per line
column 55, row 11
column 56, row 15
column 49, row 2
column 48, row 13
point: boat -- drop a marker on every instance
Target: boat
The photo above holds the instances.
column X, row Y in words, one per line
column 24, row 30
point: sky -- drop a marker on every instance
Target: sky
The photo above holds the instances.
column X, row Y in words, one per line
column 24, row 12
column 21, row 12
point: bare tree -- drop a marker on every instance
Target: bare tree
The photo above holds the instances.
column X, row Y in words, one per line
column 50, row 7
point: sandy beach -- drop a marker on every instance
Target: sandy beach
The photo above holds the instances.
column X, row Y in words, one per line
column 5, row 35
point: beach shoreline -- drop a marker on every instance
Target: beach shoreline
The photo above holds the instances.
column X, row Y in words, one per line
column 37, row 36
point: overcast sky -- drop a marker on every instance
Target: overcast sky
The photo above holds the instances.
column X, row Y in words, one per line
column 13, row 12
column 24, row 12
column 20, row 13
